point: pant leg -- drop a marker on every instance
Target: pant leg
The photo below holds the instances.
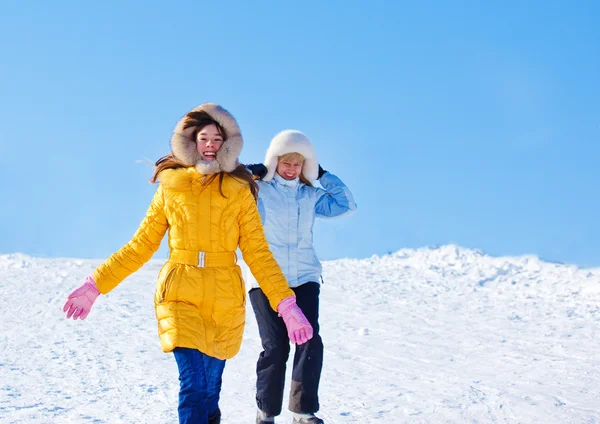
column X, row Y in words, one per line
column 271, row 364
column 214, row 379
column 308, row 358
column 193, row 391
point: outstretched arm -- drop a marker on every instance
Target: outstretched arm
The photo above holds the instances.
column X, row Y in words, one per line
column 138, row 251
column 257, row 255
column 261, row 262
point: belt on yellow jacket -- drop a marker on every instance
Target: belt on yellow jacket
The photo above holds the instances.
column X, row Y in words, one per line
column 202, row 259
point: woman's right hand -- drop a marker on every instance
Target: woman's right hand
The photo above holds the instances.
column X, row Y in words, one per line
column 80, row 301
column 258, row 170
column 299, row 329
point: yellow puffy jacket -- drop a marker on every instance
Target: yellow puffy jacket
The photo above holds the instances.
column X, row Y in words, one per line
column 200, row 298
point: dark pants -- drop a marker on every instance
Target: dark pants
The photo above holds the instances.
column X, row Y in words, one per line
column 200, row 379
column 308, row 358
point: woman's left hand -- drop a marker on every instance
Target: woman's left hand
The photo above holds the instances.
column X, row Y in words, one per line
column 80, row 301
column 299, row 329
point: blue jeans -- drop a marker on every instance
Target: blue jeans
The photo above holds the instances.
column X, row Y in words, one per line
column 200, row 379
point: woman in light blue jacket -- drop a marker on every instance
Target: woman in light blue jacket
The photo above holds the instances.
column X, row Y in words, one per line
column 288, row 204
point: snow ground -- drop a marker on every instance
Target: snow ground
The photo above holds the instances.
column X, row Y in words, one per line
column 433, row 335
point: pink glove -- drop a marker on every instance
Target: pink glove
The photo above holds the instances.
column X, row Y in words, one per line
column 81, row 300
column 299, row 329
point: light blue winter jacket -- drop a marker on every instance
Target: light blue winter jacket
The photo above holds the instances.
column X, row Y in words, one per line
column 288, row 210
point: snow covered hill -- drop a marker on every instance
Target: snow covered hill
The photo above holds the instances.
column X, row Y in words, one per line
column 434, row 335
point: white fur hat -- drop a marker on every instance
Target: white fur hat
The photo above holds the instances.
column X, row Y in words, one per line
column 184, row 148
column 292, row 141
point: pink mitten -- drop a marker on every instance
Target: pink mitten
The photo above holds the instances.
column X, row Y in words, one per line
column 81, row 300
column 299, row 329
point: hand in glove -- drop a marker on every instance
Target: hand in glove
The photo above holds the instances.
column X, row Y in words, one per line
column 258, row 170
column 79, row 303
column 299, row 329
column 321, row 172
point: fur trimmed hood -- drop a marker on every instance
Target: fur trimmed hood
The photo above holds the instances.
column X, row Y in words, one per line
column 184, row 147
column 290, row 141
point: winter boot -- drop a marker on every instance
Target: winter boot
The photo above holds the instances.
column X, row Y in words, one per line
column 263, row 418
column 307, row 419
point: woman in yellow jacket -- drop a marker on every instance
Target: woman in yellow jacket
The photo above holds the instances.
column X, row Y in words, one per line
column 207, row 201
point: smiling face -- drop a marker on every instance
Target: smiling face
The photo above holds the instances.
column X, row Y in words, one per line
column 289, row 166
column 208, row 142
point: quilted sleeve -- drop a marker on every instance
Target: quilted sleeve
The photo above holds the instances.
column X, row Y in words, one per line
column 138, row 251
column 257, row 255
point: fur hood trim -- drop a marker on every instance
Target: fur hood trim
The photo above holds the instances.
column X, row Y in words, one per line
column 184, row 148
column 290, row 141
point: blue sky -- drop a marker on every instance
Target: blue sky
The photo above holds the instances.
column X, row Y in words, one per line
column 476, row 123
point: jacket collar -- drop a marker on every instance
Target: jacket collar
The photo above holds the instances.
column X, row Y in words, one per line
column 288, row 183
column 180, row 178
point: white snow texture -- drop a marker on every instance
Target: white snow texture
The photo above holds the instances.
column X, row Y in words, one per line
column 434, row 335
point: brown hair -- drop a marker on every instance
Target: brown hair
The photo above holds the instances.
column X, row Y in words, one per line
column 199, row 120
column 295, row 156
column 239, row 173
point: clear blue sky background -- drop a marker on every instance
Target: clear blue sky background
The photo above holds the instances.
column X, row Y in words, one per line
column 468, row 122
